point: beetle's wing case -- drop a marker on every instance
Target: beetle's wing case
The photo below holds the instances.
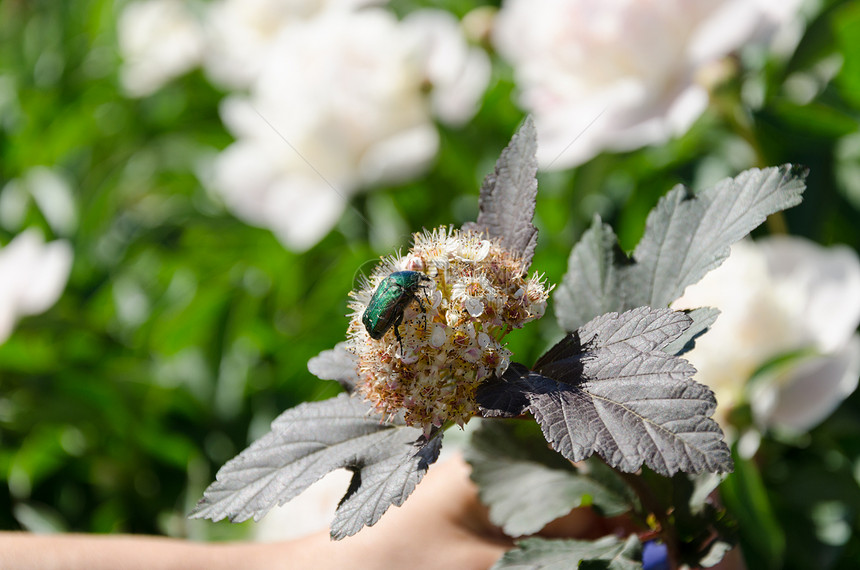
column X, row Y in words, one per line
column 390, row 299
column 386, row 306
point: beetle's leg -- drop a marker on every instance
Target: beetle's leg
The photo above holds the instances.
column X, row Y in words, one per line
column 397, row 324
column 420, row 304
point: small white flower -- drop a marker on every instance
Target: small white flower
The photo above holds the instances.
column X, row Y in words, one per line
column 504, row 360
column 438, row 338
column 620, row 74
column 474, row 292
column 158, row 40
column 452, row 318
column 34, row 276
column 473, row 251
column 436, row 299
column 474, row 307
column 413, row 263
column 777, row 296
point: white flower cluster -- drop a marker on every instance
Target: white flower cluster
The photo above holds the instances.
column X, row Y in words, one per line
column 34, row 276
column 780, row 296
column 239, row 34
column 159, row 40
column 620, row 74
column 451, row 334
column 335, row 96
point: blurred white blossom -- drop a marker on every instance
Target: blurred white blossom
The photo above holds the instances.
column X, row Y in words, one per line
column 345, row 100
column 778, row 296
column 620, row 74
column 457, row 73
column 34, row 276
column 329, row 96
column 158, row 40
column 240, row 33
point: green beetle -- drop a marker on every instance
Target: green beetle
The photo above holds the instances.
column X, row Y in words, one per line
column 392, row 296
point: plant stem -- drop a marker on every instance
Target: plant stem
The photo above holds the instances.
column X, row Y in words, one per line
column 651, row 504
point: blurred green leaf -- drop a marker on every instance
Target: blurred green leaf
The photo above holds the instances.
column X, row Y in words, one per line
column 846, row 29
column 762, row 539
column 526, row 485
column 816, row 119
column 608, row 552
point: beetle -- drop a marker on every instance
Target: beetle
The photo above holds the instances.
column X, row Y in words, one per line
column 392, row 296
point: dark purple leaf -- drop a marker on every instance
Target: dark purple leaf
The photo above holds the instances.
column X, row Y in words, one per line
column 609, row 388
column 308, row 442
column 686, row 236
column 336, row 364
column 507, row 200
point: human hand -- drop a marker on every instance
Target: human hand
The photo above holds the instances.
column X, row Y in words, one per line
column 441, row 525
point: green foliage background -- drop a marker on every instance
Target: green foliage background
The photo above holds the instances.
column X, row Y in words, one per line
column 183, row 332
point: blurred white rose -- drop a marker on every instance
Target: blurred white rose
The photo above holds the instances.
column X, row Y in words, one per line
column 778, row 296
column 34, row 276
column 621, row 74
column 342, row 103
column 457, row 73
column 158, row 40
column 240, row 34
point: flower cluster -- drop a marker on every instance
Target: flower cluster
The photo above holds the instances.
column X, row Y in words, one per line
column 451, row 335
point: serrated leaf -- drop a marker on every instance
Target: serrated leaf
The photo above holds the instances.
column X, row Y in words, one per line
column 507, row 396
column 621, row 396
column 702, row 319
column 337, row 364
column 590, row 286
column 686, row 236
column 507, row 200
column 543, row 554
column 609, row 388
column 526, row 485
column 384, row 483
column 643, row 328
column 308, row 442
